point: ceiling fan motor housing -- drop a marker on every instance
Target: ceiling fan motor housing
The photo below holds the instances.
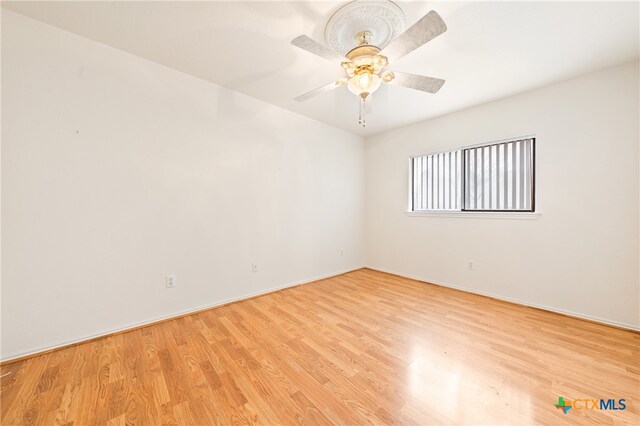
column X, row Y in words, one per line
column 362, row 50
column 364, row 58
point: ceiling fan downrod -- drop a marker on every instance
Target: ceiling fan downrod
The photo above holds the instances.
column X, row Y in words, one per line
column 363, row 37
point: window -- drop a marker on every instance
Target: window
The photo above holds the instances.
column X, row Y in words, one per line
column 497, row 177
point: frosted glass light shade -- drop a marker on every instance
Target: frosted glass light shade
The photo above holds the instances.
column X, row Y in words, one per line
column 363, row 84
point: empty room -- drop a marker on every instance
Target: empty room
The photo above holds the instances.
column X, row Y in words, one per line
column 320, row 212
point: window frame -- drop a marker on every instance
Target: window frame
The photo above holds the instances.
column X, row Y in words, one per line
column 474, row 212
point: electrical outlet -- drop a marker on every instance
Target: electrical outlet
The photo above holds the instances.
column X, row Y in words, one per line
column 341, row 252
column 170, row 281
column 470, row 265
column 254, row 267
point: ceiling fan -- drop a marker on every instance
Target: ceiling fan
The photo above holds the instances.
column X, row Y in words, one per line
column 365, row 65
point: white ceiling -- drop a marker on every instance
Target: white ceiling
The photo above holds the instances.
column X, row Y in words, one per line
column 491, row 49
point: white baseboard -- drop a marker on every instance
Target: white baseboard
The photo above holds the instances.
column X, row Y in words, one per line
column 174, row 315
column 307, row 281
column 605, row 321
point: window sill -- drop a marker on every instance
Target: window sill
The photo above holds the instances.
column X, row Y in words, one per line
column 479, row 215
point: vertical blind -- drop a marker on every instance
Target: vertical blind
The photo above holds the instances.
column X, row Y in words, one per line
column 500, row 176
column 436, row 181
column 495, row 177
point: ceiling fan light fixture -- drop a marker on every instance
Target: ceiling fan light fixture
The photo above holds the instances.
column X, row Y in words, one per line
column 380, row 61
column 388, row 76
column 364, row 84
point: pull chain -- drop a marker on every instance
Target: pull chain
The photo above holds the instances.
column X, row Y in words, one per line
column 361, row 111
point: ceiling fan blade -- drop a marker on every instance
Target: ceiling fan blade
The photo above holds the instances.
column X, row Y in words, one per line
column 320, row 90
column 306, row 43
column 427, row 28
column 417, row 82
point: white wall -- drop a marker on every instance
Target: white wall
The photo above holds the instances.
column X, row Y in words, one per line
column 581, row 255
column 117, row 171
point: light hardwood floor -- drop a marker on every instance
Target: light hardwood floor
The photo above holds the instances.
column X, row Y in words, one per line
column 364, row 347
